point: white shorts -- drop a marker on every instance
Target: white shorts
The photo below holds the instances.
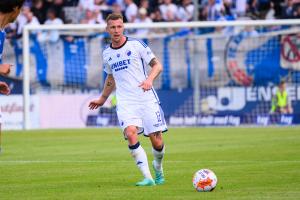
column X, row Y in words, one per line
column 149, row 118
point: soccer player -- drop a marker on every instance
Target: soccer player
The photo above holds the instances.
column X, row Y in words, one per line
column 9, row 11
column 138, row 107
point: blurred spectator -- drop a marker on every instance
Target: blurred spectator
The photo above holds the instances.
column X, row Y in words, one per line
column 156, row 16
column 100, row 5
column 89, row 17
column 185, row 11
column 297, row 12
column 116, row 8
column 263, row 5
column 168, row 10
column 101, row 10
column 142, row 18
column 278, row 7
column 296, row 3
column 86, row 4
column 25, row 17
column 93, row 16
column 241, row 6
column 288, row 9
column 22, row 20
column 145, row 4
column 270, row 12
column 39, row 9
column 31, row 19
column 121, row 3
column 99, row 17
column 227, row 10
column 71, row 3
column 52, row 19
column 131, row 10
column 252, row 9
column 212, row 11
column 58, row 6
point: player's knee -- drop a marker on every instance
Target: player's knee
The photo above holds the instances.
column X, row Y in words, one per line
column 157, row 141
column 131, row 132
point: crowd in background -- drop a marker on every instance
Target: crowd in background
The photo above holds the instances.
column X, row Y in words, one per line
column 149, row 11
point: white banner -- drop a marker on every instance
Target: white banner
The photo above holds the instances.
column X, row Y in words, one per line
column 12, row 112
column 66, row 111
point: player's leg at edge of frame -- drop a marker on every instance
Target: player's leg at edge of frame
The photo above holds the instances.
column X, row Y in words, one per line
column 0, row 139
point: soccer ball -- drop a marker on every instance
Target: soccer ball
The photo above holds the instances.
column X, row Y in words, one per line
column 204, row 180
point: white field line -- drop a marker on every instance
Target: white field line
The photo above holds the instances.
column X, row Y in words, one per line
column 127, row 161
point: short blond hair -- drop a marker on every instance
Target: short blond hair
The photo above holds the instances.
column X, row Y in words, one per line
column 114, row 16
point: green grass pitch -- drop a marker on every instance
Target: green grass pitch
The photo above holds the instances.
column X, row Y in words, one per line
column 250, row 163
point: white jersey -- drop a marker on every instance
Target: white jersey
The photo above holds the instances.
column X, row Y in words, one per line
column 128, row 65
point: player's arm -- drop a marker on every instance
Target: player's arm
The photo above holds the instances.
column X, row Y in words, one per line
column 5, row 69
column 109, row 86
column 157, row 68
column 273, row 104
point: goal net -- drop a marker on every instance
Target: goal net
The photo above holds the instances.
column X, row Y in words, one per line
column 215, row 73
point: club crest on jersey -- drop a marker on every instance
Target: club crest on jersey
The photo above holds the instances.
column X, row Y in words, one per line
column 128, row 52
column 118, row 55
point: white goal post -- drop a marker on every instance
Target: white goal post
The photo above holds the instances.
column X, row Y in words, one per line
column 101, row 28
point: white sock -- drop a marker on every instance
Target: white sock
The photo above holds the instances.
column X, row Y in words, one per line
column 158, row 157
column 140, row 157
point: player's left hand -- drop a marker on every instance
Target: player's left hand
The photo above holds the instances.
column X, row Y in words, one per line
column 146, row 85
column 4, row 89
column 5, row 69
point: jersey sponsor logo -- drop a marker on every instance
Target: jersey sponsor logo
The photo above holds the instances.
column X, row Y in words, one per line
column 120, row 65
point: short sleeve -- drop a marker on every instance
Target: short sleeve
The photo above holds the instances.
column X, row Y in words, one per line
column 145, row 52
column 107, row 68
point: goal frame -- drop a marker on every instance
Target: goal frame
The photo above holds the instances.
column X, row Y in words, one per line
column 101, row 28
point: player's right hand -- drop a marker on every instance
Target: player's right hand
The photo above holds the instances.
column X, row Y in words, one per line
column 4, row 89
column 95, row 104
column 5, row 69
